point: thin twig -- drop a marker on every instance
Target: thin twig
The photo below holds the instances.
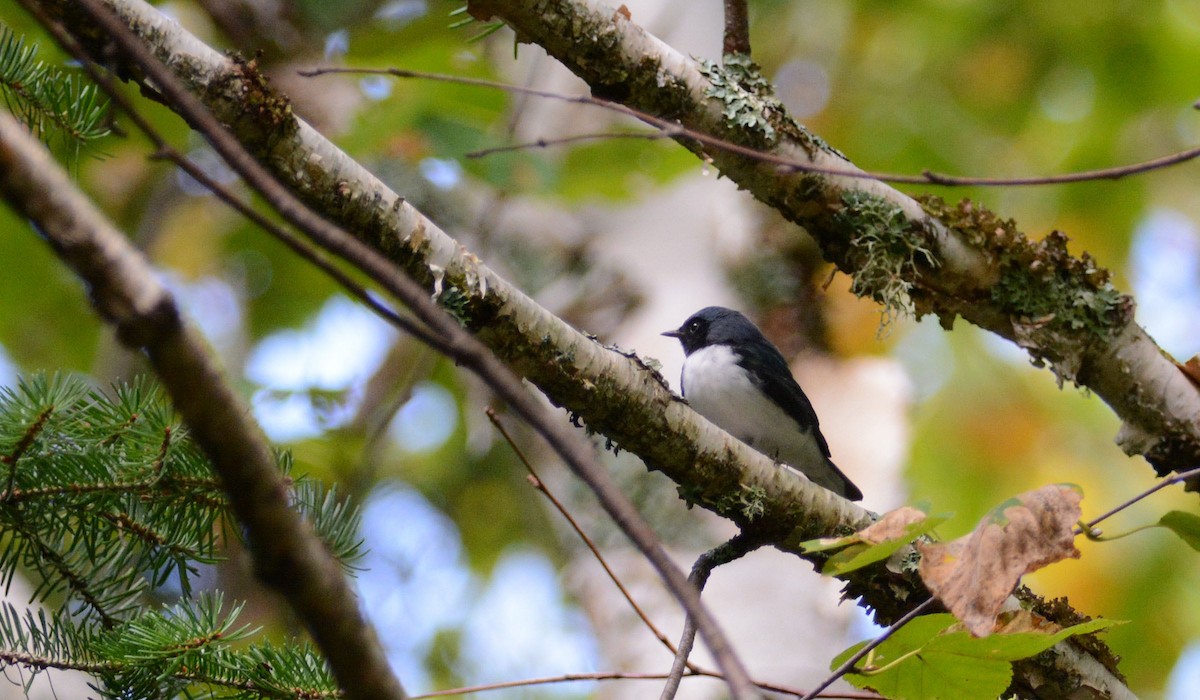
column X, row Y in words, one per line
column 540, row 485
column 300, row 247
column 736, row 547
column 681, row 132
column 1177, row 478
column 699, row 577
column 23, row 444
column 737, row 28
column 565, row 678
column 848, row 665
column 546, row 143
column 464, row 347
column 627, row 676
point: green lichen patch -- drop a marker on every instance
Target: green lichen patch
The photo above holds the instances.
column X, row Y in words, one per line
column 265, row 117
column 456, row 303
column 1058, row 304
column 1037, row 284
column 742, row 504
column 747, row 74
column 748, row 502
column 745, row 96
column 885, row 252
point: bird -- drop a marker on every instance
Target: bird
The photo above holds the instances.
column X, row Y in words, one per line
column 735, row 377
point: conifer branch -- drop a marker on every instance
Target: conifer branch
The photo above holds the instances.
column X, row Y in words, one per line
column 27, row 439
column 104, row 538
column 56, row 570
column 49, row 101
column 127, row 293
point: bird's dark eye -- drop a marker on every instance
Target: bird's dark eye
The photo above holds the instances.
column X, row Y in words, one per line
column 694, row 326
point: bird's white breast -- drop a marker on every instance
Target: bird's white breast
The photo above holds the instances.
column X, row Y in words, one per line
column 721, row 391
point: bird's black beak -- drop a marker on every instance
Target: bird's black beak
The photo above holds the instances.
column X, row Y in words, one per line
column 672, row 334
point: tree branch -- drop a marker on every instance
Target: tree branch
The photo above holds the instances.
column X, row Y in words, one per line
column 614, row 392
column 1059, row 308
column 127, row 294
column 735, row 548
column 737, row 28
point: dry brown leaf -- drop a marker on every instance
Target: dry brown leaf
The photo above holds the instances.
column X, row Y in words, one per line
column 1015, row 622
column 1191, row 369
column 973, row 575
column 891, row 525
column 1018, row 621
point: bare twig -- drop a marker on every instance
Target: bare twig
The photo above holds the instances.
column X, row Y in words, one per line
column 465, row 348
column 849, row 663
column 562, row 509
column 565, row 678
column 1175, row 479
column 676, row 131
column 627, row 676
column 546, row 143
column 737, row 28
column 681, row 668
column 737, row 547
column 298, row 245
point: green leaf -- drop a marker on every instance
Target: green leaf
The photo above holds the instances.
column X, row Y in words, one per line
column 1186, row 525
column 1010, row 647
column 932, row 662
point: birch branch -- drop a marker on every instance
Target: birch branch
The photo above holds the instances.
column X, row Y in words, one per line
column 950, row 261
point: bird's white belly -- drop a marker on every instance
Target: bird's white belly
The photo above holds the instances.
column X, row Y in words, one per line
column 722, row 392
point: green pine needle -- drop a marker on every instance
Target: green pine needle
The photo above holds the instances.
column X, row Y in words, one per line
column 103, row 500
column 54, row 104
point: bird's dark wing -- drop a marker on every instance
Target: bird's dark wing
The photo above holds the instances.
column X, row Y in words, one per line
column 771, row 373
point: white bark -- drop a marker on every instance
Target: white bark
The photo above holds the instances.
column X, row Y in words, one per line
column 1159, row 407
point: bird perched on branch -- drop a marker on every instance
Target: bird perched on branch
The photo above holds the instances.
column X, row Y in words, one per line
column 736, row 378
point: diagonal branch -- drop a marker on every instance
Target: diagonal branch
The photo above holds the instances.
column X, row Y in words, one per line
column 128, row 294
column 735, row 548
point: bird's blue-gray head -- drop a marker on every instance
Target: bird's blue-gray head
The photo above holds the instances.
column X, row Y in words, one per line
column 715, row 325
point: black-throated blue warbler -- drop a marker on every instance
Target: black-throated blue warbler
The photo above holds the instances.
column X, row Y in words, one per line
column 736, row 378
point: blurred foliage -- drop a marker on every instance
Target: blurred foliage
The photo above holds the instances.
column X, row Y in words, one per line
column 966, row 87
